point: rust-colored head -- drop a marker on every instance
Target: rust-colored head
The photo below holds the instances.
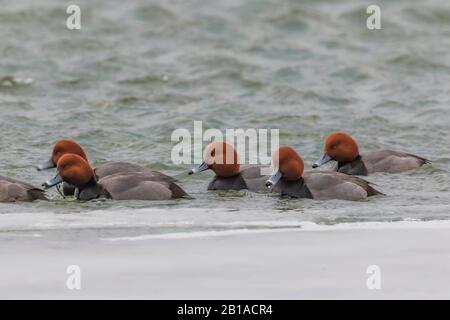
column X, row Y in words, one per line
column 341, row 147
column 290, row 163
column 221, row 158
column 287, row 165
column 75, row 170
column 61, row 148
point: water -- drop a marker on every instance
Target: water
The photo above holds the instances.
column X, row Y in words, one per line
column 137, row 70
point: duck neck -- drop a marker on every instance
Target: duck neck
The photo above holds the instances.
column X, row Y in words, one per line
column 93, row 190
column 235, row 182
column 355, row 167
column 296, row 189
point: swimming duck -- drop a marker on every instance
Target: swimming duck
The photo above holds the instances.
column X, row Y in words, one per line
column 63, row 147
column 342, row 148
column 223, row 160
column 288, row 179
column 76, row 171
column 12, row 190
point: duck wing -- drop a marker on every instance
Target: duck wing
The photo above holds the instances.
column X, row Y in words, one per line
column 111, row 168
column 12, row 190
column 335, row 185
column 392, row 161
column 141, row 186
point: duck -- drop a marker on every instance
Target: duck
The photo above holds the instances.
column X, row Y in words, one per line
column 289, row 179
column 343, row 148
column 75, row 170
column 223, row 160
column 67, row 146
column 12, row 190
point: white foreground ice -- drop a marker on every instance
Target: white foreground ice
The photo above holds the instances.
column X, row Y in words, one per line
column 323, row 262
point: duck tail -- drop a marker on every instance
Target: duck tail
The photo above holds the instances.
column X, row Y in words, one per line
column 371, row 191
column 422, row 159
column 177, row 191
column 37, row 194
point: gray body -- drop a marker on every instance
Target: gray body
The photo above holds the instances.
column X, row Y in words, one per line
column 12, row 190
column 249, row 178
column 110, row 168
column 107, row 169
column 327, row 185
column 391, row 161
column 382, row 161
column 134, row 186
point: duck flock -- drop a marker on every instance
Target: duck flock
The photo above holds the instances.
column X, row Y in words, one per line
column 128, row 181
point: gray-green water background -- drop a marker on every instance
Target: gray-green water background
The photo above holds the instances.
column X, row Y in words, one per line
column 137, row 70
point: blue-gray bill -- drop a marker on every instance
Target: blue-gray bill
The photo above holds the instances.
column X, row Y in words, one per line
column 325, row 158
column 273, row 179
column 46, row 165
column 53, row 182
column 203, row 167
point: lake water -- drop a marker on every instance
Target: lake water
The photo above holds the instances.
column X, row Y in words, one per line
column 137, row 70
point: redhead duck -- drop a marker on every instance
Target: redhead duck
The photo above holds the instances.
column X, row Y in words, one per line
column 76, row 171
column 63, row 147
column 288, row 179
column 342, row 148
column 12, row 190
column 223, row 160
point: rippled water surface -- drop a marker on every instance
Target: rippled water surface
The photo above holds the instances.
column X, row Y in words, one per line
column 137, row 70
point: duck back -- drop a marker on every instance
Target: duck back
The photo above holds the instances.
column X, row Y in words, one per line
column 104, row 170
column 325, row 185
column 12, row 190
column 141, row 186
column 391, row 161
column 111, row 168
